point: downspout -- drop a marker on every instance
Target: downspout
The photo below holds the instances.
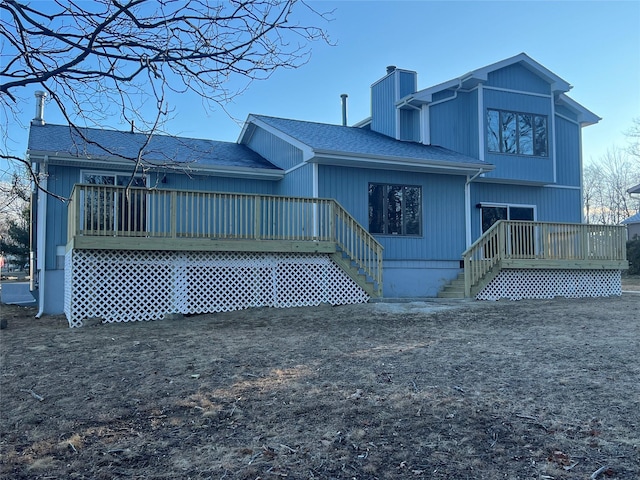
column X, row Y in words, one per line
column 33, row 228
column 41, row 233
column 467, row 205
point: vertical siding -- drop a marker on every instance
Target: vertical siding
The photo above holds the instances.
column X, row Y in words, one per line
column 443, row 225
column 517, row 77
column 216, row 184
column 568, row 153
column 60, row 182
column 454, row 123
column 520, row 167
column 407, row 82
column 383, row 109
column 277, row 151
column 552, row 204
column 298, row 183
column 410, row 125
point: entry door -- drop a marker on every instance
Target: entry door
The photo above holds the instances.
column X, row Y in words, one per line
column 520, row 238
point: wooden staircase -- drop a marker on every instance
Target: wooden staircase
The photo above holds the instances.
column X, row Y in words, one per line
column 454, row 289
column 358, row 274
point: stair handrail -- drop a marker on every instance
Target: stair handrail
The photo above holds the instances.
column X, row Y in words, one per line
column 483, row 255
column 361, row 247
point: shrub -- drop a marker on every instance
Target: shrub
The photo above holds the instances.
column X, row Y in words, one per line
column 633, row 255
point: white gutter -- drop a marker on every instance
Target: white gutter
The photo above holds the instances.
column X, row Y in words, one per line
column 467, row 205
column 398, row 163
column 179, row 167
column 41, row 252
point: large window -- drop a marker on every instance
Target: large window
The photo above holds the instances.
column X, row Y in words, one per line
column 395, row 209
column 517, row 133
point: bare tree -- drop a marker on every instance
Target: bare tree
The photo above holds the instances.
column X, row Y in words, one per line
column 116, row 58
column 605, row 186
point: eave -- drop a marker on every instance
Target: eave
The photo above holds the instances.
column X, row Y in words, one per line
column 382, row 162
column 114, row 163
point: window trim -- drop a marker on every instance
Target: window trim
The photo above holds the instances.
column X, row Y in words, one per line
column 420, row 215
column 517, row 115
column 508, row 207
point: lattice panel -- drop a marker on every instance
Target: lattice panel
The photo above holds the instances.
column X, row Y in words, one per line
column 122, row 286
column 519, row 284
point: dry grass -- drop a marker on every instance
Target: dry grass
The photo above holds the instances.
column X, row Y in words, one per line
column 449, row 390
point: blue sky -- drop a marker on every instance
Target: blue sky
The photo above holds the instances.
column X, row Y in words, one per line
column 594, row 45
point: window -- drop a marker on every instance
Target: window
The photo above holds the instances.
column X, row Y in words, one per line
column 110, row 210
column 492, row 213
column 395, row 209
column 517, row 133
column 520, row 241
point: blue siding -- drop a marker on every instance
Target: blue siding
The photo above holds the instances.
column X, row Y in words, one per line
column 443, row 224
column 274, row 149
column 60, row 182
column 552, row 204
column 298, row 183
column 564, row 111
column 520, row 167
column 517, row 77
column 410, row 125
column 568, row 153
column 407, row 82
column 454, row 124
column 383, row 109
column 217, row 184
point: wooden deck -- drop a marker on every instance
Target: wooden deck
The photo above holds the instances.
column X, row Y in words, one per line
column 542, row 245
column 108, row 217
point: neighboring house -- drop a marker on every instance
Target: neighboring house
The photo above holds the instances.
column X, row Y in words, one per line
column 318, row 213
column 633, row 226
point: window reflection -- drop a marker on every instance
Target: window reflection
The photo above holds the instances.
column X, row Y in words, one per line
column 516, row 133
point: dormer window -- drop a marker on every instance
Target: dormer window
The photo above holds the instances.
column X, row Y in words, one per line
column 517, row 133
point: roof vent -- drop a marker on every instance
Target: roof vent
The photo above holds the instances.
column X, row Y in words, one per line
column 39, row 118
column 344, row 109
column 391, row 68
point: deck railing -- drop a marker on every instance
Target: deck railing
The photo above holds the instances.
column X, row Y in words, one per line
column 542, row 242
column 113, row 211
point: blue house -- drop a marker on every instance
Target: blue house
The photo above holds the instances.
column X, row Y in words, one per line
column 472, row 187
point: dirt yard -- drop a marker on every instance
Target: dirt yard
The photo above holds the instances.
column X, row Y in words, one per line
column 544, row 389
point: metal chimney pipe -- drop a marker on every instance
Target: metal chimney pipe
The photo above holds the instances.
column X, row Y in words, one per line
column 344, row 109
column 39, row 118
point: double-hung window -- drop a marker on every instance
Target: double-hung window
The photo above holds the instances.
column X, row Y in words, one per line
column 395, row 209
column 517, row 133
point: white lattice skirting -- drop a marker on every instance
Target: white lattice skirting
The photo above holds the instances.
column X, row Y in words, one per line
column 122, row 286
column 519, row 284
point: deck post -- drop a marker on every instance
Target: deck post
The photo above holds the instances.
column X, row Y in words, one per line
column 172, row 213
column 257, row 216
column 467, row 276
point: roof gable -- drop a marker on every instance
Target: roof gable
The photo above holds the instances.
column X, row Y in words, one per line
column 481, row 75
column 337, row 142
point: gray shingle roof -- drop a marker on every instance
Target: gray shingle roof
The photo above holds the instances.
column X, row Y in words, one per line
column 162, row 149
column 359, row 141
